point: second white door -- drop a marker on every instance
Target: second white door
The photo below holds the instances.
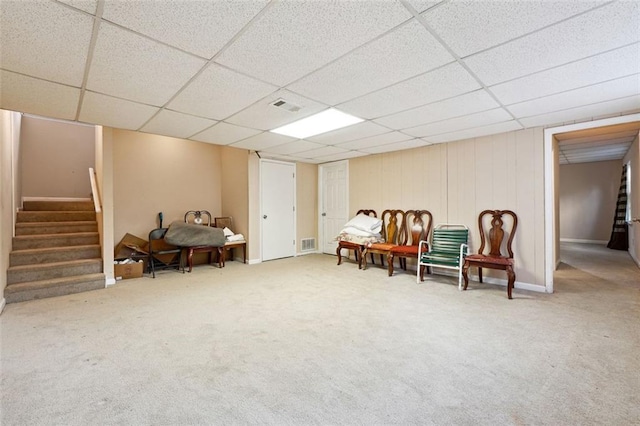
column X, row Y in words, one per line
column 277, row 195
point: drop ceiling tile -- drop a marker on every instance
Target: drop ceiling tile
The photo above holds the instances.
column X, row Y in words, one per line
column 264, row 116
column 219, row 92
column 356, row 131
column 27, row 94
column 422, row 5
column 262, row 141
column 294, row 147
column 606, row 66
column 488, row 24
column 132, row 67
column 341, row 156
column 377, row 140
column 291, row 39
column 224, row 134
column 630, row 103
column 403, row 53
column 413, row 143
column 199, row 27
column 476, row 132
column 321, row 152
column 59, row 56
column 609, row 90
column 114, row 112
column 448, row 81
column 597, row 31
column 468, row 103
column 176, row 124
column 460, row 123
column 88, row 6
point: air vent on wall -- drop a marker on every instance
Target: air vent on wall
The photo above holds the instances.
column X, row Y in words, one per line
column 286, row 105
column 307, row 244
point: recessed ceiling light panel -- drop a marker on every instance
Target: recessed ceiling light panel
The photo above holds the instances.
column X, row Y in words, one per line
column 325, row 121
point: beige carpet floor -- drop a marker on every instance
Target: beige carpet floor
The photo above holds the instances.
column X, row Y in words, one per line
column 302, row 341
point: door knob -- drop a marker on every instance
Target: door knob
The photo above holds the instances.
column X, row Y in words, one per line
column 324, row 214
column 264, row 217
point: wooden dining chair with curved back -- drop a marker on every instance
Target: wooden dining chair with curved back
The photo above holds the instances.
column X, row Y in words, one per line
column 416, row 227
column 494, row 241
column 392, row 222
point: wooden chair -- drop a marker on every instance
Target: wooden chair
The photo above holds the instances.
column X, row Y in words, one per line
column 416, row 227
column 227, row 222
column 392, row 221
column 201, row 217
column 357, row 248
column 495, row 259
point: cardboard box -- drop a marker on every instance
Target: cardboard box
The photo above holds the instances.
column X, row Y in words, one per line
column 128, row 270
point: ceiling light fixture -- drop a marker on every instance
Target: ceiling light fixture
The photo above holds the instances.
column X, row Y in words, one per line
column 325, row 121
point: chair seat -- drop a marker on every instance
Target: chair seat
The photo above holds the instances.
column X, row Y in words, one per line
column 381, row 246
column 405, row 250
column 495, row 260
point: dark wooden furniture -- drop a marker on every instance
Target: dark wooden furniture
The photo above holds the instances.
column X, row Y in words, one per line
column 392, row 221
column 416, row 227
column 494, row 259
column 447, row 250
column 161, row 253
column 202, row 217
column 227, row 222
column 357, row 248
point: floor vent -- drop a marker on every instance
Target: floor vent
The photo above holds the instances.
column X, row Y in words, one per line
column 307, row 244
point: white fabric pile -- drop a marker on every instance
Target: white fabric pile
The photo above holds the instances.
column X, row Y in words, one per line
column 230, row 236
column 361, row 229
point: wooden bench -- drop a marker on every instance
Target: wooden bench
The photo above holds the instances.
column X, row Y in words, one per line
column 448, row 248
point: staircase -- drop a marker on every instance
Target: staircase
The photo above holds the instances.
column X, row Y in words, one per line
column 56, row 251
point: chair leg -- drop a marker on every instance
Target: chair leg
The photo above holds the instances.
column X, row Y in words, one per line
column 221, row 257
column 390, row 262
column 512, row 279
column 190, row 259
column 339, row 254
column 465, row 274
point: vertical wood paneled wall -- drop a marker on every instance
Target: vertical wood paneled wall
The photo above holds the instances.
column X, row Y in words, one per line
column 455, row 181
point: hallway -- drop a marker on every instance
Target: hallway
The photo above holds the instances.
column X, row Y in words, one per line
column 594, row 267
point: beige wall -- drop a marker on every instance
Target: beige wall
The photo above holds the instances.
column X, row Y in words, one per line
column 457, row 180
column 55, row 158
column 9, row 149
column 161, row 174
column 633, row 156
column 235, row 189
column 306, row 203
column 588, row 194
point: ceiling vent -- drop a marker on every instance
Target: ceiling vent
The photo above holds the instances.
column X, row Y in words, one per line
column 286, row 105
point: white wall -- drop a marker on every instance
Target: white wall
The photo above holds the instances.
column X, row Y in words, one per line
column 633, row 156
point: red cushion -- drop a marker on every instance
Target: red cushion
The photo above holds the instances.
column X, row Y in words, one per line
column 381, row 246
column 405, row 250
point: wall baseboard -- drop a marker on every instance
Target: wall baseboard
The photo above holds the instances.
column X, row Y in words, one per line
column 580, row 241
column 308, row 252
column 3, row 303
column 109, row 282
column 491, row 280
column 254, row 261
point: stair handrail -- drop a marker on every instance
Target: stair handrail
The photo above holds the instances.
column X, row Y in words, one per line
column 94, row 190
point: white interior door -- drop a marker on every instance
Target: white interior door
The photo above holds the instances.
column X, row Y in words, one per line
column 334, row 203
column 277, row 195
